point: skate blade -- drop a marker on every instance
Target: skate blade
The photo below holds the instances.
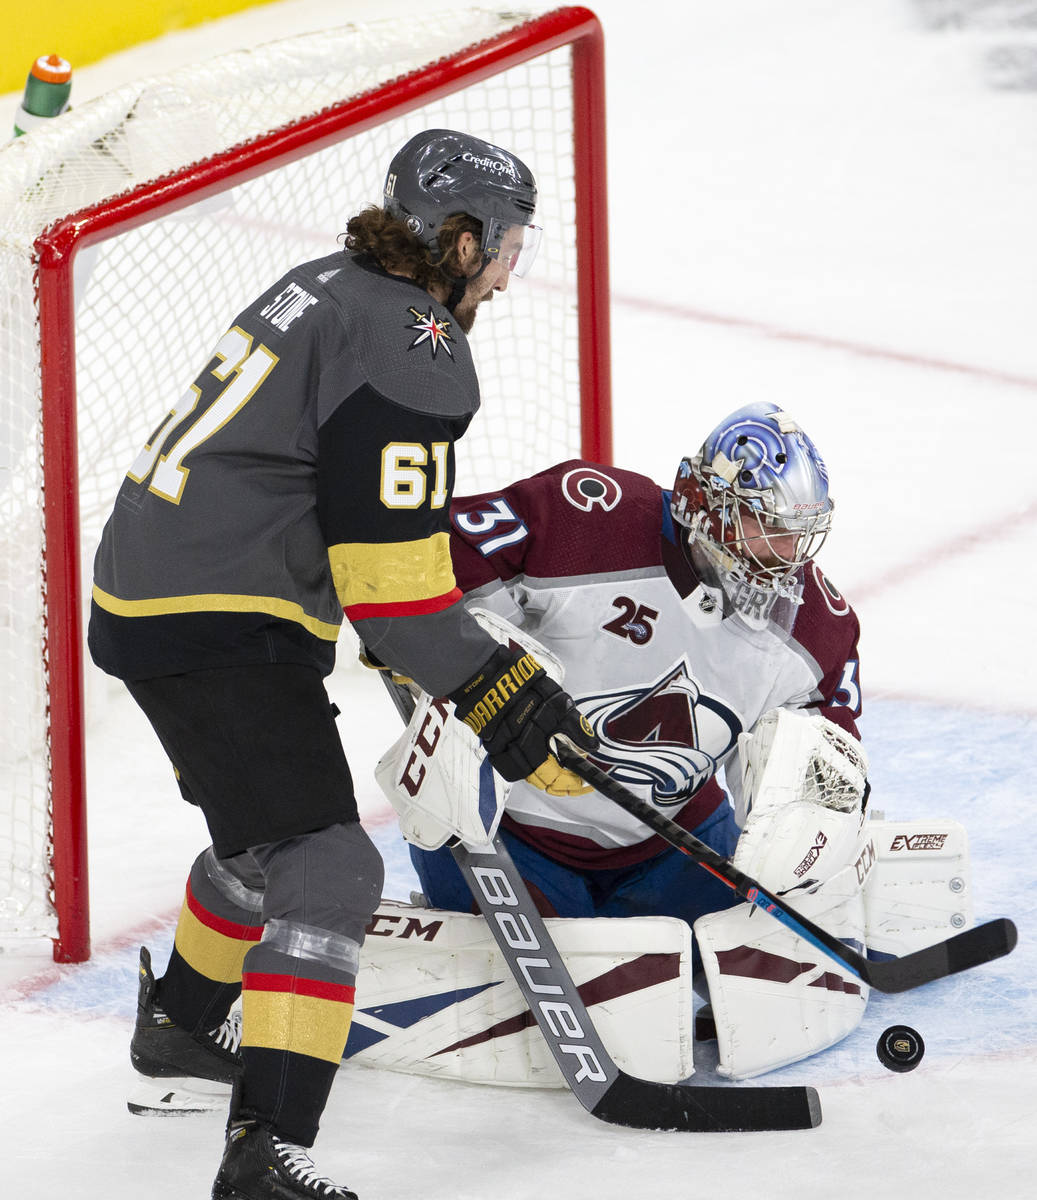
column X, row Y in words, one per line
column 178, row 1097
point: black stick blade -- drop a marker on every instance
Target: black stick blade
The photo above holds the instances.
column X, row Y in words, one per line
column 972, row 948
column 641, row 1104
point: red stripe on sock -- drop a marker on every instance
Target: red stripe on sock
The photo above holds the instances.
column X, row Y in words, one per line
column 256, row 981
column 231, row 929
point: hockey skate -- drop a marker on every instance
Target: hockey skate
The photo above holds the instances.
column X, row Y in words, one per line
column 258, row 1165
column 181, row 1073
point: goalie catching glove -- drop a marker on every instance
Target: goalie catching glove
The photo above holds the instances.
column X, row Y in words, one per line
column 514, row 707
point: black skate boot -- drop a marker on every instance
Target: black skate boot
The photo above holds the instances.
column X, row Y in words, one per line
column 191, row 1073
column 258, row 1165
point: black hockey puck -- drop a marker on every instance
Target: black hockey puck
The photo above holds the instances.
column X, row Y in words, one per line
column 900, row 1048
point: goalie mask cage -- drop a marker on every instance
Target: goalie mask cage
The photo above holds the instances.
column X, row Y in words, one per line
column 133, row 229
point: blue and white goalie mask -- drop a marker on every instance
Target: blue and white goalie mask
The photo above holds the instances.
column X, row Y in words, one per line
column 754, row 502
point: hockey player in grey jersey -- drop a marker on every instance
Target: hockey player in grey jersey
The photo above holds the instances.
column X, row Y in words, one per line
column 305, row 473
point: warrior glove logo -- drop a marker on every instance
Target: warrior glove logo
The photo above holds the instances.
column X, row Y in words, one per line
column 432, row 330
column 502, row 691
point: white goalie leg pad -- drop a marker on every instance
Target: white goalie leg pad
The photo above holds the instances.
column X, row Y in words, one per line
column 436, row 997
column 775, row 998
column 436, row 775
column 803, row 780
column 919, row 890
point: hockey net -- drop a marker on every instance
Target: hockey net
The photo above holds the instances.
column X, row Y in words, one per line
column 135, row 226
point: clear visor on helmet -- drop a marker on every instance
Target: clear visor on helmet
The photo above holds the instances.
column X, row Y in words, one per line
column 514, row 245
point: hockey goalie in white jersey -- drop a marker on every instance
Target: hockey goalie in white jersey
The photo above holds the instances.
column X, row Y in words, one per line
column 705, row 647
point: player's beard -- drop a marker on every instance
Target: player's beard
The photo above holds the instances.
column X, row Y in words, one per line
column 467, row 308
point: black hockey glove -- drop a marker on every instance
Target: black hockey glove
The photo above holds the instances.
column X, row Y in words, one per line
column 515, row 707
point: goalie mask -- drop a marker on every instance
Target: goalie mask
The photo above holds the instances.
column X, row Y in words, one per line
column 754, row 502
column 439, row 173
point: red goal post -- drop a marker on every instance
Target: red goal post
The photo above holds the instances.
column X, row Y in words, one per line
column 140, row 250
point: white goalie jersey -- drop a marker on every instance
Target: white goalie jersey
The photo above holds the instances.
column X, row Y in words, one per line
column 584, row 558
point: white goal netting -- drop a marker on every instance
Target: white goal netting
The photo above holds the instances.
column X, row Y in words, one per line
column 151, row 300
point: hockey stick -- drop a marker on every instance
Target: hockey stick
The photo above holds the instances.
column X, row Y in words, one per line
column 604, row 1090
column 971, row 948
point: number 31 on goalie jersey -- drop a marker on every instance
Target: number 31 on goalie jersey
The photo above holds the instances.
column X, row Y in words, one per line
column 241, row 370
column 497, row 512
column 848, row 693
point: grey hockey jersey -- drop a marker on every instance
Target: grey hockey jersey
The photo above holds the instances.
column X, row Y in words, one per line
column 307, row 470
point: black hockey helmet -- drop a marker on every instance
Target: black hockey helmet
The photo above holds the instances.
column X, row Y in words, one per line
column 440, row 172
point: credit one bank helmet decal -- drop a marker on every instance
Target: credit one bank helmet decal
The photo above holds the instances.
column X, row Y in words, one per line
column 440, row 172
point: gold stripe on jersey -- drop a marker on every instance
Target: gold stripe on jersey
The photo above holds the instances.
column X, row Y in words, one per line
column 164, row 606
column 367, row 573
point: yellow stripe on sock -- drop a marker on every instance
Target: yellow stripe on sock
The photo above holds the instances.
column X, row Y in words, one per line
column 212, row 953
column 302, row 1024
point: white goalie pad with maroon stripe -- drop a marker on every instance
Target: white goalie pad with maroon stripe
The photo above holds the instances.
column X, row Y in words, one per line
column 775, row 998
column 435, row 997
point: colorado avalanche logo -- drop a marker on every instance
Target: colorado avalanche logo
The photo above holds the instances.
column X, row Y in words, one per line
column 668, row 736
column 584, row 487
column 432, row 330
